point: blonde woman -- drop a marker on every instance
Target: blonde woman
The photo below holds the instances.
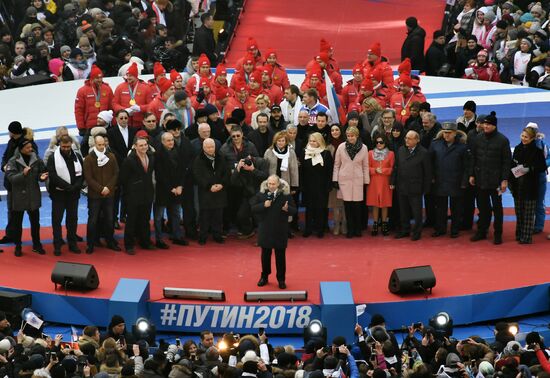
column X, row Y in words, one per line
column 316, row 184
column 282, row 160
column 262, row 106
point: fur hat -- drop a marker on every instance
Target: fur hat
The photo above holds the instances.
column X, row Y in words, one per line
column 250, row 355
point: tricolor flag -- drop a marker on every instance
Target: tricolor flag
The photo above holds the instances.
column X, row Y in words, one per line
column 33, row 320
column 74, row 334
column 333, row 102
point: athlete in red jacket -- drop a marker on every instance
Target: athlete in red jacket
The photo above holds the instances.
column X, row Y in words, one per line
column 133, row 96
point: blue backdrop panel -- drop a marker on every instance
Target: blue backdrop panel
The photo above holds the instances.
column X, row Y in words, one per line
column 129, row 299
column 338, row 312
column 68, row 309
column 466, row 309
column 239, row 318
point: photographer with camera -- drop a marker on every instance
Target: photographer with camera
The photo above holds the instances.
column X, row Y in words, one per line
column 272, row 207
column 428, row 346
column 246, row 178
column 473, row 349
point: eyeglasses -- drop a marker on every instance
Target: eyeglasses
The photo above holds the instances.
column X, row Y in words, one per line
column 379, row 142
column 150, row 120
column 236, row 136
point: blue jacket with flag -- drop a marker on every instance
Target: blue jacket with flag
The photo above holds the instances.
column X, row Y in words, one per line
column 314, row 110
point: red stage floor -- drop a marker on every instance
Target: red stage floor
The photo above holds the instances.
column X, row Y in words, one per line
column 294, row 28
column 461, row 267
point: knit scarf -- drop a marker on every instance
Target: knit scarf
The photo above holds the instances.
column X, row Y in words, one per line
column 353, row 149
column 283, row 155
column 61, row 166
column 315, row 155
column 102, row 159
column 380, row 155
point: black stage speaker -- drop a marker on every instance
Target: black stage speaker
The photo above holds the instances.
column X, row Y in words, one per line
column 75, row 276
column 413, row 279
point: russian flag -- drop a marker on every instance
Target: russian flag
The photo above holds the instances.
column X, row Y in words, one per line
column 334, row 105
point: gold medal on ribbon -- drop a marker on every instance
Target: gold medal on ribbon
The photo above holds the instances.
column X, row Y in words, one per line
column 404, row 112
column 97, row 104
column 132, row 102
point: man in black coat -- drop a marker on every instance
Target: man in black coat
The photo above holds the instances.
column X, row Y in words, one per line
column 436, row 56
column 491, row 167
column 262, row 137
column 136, row 179
column 186, row 155
column 430, row 129
column 65, row 181
column 450, row 158
column 121, row 138
column 204, row 42
column 170, row 176
column 272, row 206
column 15, row 130
column 413, row 46
column 412, row 176
column 212, row 176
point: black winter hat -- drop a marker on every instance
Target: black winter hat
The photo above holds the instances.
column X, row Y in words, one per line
column 173, row 124
column 492, row 119
column 376, row 319
column 250, row 367
column 284, row 360
column 425, row 106
column 470, row 105
column 238, row 114
column 339, row 341
column 438, row 33
column 411, row 22
column 201, row 113
column 16, row 128
column 116, row 320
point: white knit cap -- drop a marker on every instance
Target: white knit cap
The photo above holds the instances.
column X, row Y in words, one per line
column 106, row 115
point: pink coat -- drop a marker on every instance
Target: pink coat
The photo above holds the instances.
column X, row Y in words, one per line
column 351, row 175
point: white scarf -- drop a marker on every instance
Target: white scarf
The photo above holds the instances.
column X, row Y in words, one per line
column 315, row 155
column 102, row 159
column 61, row 166
column 283, row 157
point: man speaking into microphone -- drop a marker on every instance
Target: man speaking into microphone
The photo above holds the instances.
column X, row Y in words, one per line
column 272, row 206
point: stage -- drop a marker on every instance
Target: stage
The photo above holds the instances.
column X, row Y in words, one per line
column 468, row 274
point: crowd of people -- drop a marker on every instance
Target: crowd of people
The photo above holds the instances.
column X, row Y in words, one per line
column 59, row 40
column 195, row 149
column 374, row 352
column 502, row 41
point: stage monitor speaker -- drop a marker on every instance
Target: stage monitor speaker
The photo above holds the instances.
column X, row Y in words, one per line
column 412, row 279
column 75, row 276
column 11, row 302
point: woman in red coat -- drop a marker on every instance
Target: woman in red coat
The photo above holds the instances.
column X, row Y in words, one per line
column 379, row 194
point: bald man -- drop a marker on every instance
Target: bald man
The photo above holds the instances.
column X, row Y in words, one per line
column 212, row 176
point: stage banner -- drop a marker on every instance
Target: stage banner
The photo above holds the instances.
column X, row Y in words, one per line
column 236, row 318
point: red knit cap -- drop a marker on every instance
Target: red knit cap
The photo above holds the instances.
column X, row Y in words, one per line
column 203, row 60
column 251, row 44
column 133, row 70
column 405, row 66
column 358, row 68
column 221, row 93
column 404, row 80
column 355, row 107
column 164, row 84
column 270, row 51
column 267, row 68
column 256, row 76
column 324, row 45
column 375, row 49
column 158, row 69
column 221, row 70
column 366, row 85
column 249, row 58
column 323, row 56
column 204, row 81
column 315, row 73
column 240, row 86
column 95, row 72
column 174, row 75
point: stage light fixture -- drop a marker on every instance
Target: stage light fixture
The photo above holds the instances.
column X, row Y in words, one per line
column 316, row 332
column 144, row 330
column 513, row 328
column 186, row 293
column 442, row 323
column 269, row 296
